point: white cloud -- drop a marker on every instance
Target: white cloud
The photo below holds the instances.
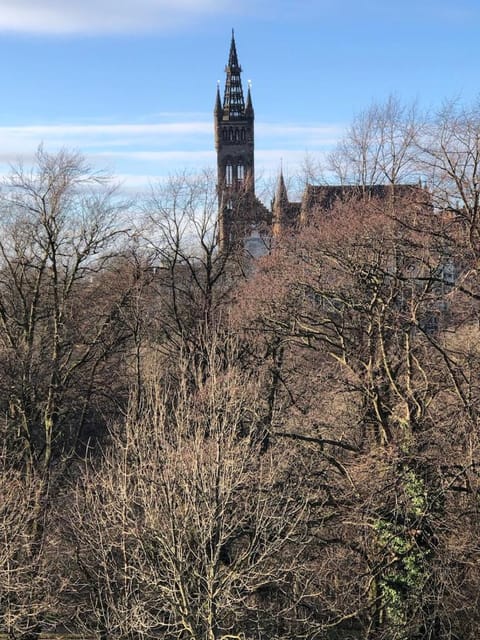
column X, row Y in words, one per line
column 87, row 134
column 17, row 140
column 173, row 133
column 102, row 16
column 139, row 153
column 127, row 16
column 124, row 149
column 303, row 135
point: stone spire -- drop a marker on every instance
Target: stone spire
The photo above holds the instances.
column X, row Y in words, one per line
column 249, row 103
column 281, row 196
column 280, row 206
column 218, row 111
column 233, row 101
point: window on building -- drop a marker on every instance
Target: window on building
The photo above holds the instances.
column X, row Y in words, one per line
column 240, row 173
column 229, row 175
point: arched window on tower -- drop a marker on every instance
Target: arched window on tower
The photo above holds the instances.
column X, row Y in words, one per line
column 240, row 173
column 229, row 175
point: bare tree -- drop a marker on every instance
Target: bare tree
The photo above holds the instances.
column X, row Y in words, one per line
column 380, row 146
column 185, row 530
column 29, row 590
column 371, row 376
column 194, row 280
column 59, row 228
column 59, row 231
column 450, row 159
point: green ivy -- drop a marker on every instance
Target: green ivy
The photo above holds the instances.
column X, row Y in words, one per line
column 405, row 573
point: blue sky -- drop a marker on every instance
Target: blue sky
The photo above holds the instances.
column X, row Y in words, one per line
column 131, row 83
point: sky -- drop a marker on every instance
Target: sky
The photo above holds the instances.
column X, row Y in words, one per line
column 131, row 83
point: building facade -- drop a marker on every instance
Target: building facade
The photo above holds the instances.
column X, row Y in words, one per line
column 242, row 218
column 243, row 221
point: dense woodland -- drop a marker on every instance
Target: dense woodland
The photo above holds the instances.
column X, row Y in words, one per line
column 198, row 447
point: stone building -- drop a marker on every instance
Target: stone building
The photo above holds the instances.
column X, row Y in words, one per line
column 244, row 222
column 243, row 219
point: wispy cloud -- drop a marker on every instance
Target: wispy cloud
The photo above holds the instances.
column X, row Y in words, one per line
column 303, row 135
column 87, row 135
column 103, row 16
column 348, row 12
column 62, row 17
column 141, row 152
column 176, row 130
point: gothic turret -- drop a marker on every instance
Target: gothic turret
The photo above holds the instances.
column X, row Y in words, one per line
column 249, row 104
column 218, row 104
column 285, row 213
column 281, row 196
column 234, row 142
column 280, row 206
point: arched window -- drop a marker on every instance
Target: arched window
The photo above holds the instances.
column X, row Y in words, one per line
column 237, row 135
column 244, row 135
column 229, row 175
column 230, row 134
column 240, row 173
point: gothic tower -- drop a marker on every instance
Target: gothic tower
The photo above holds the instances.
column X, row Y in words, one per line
column 234, row 143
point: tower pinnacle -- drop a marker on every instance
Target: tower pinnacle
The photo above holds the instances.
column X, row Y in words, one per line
column 233, row 101
column 249, row 104
column 281, row 196
column 218, row 103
